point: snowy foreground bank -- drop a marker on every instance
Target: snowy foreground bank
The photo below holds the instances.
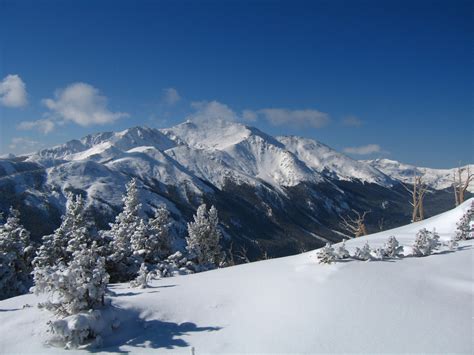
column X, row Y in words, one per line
column 288, row 305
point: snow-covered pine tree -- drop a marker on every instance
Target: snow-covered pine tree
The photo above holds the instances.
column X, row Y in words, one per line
column 78, row 286
column 141, row 280
column 425, row 242
column 121, row 263
column 392, row 249
column 138, row 241
column 58, row 247
column 159, row 243
column 77, row 292
column 204, row 235
column 363, row 253
column 326, row 255
column 16, row 253
column 78, row 233
column 452, row 244
column 380, row 253
column 464, row 230
column 341, row 251
column 214, row 250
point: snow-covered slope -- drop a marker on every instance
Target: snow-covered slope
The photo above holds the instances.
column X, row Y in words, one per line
column 436, row 178
column 289, row 305
column 325, row 160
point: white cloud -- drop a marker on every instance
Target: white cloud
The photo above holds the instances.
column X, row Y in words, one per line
column 352, row 121
column 13, row 91
column 364, row 150
column 82, row 104
column 22, row 145
column 298, row 118
column 171, row 96
column 212, row 110
column 249, row 115
column 45, row 126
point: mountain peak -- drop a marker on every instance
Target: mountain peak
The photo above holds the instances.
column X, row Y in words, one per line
column 207, row 133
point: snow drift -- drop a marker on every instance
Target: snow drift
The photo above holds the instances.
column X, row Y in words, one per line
column 290, row 304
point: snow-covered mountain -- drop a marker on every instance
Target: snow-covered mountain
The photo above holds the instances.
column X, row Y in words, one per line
column 245, row 150
column 278, row 194
column 322, row 159
column 438, row 179
column 287, row 305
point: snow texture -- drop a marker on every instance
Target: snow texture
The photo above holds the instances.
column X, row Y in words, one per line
column 288, row 305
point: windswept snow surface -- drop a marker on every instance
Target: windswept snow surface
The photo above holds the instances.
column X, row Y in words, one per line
column 289, row 305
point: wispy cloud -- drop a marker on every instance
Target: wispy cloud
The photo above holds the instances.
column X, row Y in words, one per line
column 44, row 126
column 209, row 110
column 249, row 115
column 297, row 118
column 22, row 145
column 352, row 121
column 364, row 150
column 13, row 92
column 212, row 110
column 82, row 104
column 171, row 96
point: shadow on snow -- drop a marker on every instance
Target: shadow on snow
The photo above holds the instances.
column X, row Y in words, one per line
column 153, row 334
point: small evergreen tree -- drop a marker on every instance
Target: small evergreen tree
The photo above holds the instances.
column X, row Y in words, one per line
column 363, row 253
column 204, row 235
column 159, row 243
column 15, row 257
column 380, row 253
column 142, row 278
column 122, row 265
column 391, row 249
column 341, row 251
column 68, row 237
column 78, row 233
column 464, row 230
column 78, row 286
column 326, row 254
column 425, row 242
column 452, row 244
column 138, row 241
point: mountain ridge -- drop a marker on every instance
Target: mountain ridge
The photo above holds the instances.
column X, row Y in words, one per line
column 278, row 194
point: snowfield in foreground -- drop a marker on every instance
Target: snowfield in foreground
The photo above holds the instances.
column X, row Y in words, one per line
column 291, row 304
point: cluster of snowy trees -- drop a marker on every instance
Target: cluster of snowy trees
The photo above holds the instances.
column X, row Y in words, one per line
column 425, row 243
column 133, row 247
column 391, row 249
column 76, row 262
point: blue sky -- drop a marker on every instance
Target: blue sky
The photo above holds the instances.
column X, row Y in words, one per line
column 374, row 78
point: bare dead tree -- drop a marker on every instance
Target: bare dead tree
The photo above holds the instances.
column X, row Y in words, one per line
column 460, row 185
column 230, row 255
column 263, row 252
column 417, row 193
column 242, row 254
column 381, row 223
column 355, row 224
column 302, row 248
column 265, row 255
